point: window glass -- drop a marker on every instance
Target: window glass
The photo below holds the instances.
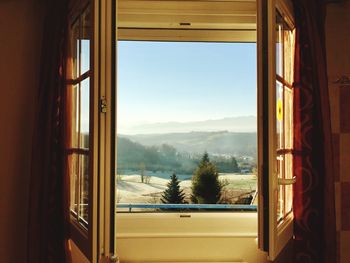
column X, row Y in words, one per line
column 280, row 199
column 279, row 115
column 78, row 119
column 284, row 115
column 288, row 119
column 84, row 187
column 75, row 46
column 85, row 42
column 279, row 46
column 85, row 56
column 84, row 112
column 73, row 114
column 289, row 51
column 288, row 188
column 74, row 180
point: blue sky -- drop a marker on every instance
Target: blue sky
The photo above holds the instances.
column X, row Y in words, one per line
column 184, row 81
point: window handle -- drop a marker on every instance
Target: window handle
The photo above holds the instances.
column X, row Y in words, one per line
column 287, row 181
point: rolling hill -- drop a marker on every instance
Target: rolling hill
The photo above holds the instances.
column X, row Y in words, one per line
column 221, row 142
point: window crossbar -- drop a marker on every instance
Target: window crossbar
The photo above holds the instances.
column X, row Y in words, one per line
column 82, row 151
column 79, row 79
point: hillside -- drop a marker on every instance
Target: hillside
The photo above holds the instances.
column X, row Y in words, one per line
column 134, row 156
column 223, row 142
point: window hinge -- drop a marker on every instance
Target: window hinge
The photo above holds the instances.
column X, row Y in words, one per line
column 103, row 105
column 114, row 259
column 109, row 259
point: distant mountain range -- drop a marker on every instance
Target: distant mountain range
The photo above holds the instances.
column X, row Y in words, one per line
column 220, row 142
column 232, row 124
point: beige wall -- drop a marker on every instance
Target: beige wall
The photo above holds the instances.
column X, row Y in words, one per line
column 20, row 28
column 338, row 59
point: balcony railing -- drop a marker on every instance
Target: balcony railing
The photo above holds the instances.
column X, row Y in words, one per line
column 191, row 207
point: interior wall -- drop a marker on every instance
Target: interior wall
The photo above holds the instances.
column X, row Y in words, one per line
column 338, row 59
column 20, row 27
column 20, row 39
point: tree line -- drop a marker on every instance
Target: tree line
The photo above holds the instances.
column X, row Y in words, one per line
column 165, row 158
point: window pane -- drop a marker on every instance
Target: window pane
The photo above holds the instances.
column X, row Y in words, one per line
column 280, row 192
column 73, row 115
column 289, row 50
column 84, row 113
column 288, row 117
column 75, row 46
column 85, row 56
column 85, row 41
column 73, row 167
column 280, row 204
column 279, row 45
column 288, row 188
column 84, row 187
column 279, row 115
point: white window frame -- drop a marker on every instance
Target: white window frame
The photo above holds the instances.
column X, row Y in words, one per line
column 193, row 225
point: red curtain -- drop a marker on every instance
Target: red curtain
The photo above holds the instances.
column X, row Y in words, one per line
column 314, row 227
column 48, row 194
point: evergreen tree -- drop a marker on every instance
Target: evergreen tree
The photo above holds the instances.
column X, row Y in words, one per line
column 235, row 167
column 206, row 187
column 173, row 194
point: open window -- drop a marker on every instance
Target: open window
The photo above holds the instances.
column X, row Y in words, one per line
column 203, row 28
column 269, row 25
column 79, row 122
column 276, row 36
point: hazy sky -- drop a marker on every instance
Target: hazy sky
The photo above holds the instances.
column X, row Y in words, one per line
column 184, row 81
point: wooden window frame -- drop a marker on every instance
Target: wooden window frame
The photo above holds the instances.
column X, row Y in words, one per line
column 80, row 230
column 274, row 235
column 283, row 151
column 101, row 220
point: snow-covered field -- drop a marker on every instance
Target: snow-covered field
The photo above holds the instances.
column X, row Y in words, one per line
column 130, row 189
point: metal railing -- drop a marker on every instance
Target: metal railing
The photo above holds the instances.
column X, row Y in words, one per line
column 191, row 207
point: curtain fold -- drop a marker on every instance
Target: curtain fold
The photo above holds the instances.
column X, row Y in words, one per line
column 314, row 209
column 48, row 192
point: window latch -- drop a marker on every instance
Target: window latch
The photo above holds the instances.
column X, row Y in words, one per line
column 103, row 105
